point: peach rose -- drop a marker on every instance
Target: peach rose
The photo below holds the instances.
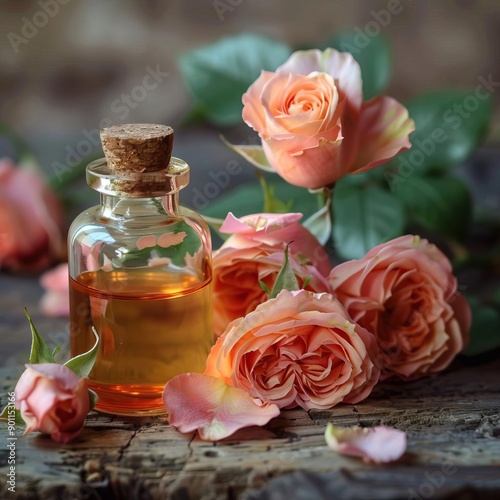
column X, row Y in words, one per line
column 315, row 127
column 404, row 292
column 299, row 348
column 52, row 400
column 255, row 251
column 30, row 221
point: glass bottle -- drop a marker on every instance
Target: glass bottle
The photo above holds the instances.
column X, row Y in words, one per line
column 140, row 273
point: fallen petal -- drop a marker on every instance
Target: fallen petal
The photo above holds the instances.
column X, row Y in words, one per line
column 195, row 401
column 375, row 444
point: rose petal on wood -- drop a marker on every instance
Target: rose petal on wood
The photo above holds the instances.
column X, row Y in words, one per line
column 216, row 410
column 375, row 444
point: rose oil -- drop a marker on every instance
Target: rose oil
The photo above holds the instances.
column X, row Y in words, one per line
column 147, row 336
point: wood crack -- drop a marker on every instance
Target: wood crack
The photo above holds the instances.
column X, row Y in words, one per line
column 127, row 445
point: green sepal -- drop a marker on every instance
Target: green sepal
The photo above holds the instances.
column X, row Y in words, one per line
column 93, row 398
column 17, row 415
column 306, row 281
column 264, row 287
column 57, row 348
column 286, row 279
column 272, row 204
column 40, row 352
column 320, row 223
column 83, row 363
column 253, row 154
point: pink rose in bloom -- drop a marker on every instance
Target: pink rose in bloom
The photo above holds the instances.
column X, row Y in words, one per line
column 52, row 400
column 298, row 349
column 55, row 300
column 30, row 221
column 315, row 127
column 255, row 251
column 404, row 292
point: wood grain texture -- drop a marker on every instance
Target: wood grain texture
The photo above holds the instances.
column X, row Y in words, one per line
column 452, row 421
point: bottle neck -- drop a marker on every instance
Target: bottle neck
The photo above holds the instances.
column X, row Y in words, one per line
column 123, row 208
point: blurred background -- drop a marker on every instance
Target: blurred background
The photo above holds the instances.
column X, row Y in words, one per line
column 69, row 67
column 66, row 73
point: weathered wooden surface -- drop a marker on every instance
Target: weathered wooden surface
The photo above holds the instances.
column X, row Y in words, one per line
column 452, row 421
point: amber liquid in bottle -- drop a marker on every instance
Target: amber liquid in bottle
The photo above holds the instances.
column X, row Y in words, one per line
column 147, row 336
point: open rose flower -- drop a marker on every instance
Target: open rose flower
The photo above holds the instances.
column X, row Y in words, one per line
column 255, row 251
column 52, row 400
column 404, row 292
column 30, row 221
column 298, row 349
column 315, row 127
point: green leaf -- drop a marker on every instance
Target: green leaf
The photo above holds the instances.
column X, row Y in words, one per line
column 249, row 199
column 373, row 54
column 301, row 199
column 443, row 204
column 218, row 75
column 446, row 133
column 83, row 363
column 364, row 217
column 286, row 279
column 485, row 329
column 40, row 352
column 245, row 199
column 254, row 154
column 372, row 176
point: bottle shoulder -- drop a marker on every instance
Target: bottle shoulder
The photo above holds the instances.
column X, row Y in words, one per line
column 92, row 219
column 182, row 240
column 90, row 216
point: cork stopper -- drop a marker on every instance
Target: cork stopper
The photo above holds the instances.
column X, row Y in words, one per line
column 137, row 148
column 138, row 163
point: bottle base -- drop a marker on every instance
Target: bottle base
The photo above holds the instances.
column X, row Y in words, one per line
column 129, row 400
